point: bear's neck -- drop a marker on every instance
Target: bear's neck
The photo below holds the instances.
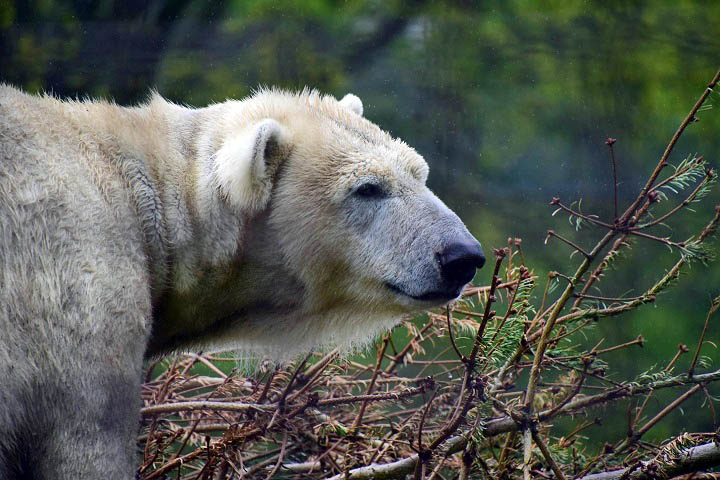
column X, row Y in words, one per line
column 244, row 294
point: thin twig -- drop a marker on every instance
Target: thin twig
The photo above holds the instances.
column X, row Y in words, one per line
column 548, row 456
column 713, row 308
column 610, row 142
column 551, row 233
column 371, row 385
column 452, row 337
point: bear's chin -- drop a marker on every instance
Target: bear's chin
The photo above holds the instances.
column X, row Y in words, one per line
column 428, row 299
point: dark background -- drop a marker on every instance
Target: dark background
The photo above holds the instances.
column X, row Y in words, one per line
column 510, row 102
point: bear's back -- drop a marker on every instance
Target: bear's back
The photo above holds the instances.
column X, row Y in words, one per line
column 66, row 226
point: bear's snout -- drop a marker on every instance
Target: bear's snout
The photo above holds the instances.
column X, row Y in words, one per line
column 459, row 260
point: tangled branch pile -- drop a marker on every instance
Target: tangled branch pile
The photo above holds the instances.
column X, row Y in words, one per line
column 469, row 391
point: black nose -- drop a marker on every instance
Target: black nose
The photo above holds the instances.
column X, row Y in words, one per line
column 458, row 262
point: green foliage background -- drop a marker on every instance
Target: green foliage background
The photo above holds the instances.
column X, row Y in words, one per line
column 509, row 101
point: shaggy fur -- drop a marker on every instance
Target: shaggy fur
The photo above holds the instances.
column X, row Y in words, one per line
column 134, row 232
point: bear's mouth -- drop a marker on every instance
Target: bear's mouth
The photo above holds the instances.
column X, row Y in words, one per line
column 435, row 296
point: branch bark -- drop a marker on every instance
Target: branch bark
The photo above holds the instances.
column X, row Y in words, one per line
column 688, row 461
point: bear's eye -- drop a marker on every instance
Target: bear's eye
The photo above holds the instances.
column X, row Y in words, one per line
column 369, row 190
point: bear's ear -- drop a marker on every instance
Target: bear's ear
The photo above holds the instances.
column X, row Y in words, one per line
column 352, row 103
column 242, row 165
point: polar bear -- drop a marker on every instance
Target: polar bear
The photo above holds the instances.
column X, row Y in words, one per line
column 275, row 224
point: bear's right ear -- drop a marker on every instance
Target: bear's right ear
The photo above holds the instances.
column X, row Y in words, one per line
column 352, row 103
column 242, row 165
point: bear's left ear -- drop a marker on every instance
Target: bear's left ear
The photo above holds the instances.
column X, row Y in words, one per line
column 352, row 103
column 245, row 164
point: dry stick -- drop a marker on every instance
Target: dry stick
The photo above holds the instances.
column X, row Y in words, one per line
column 570, row 396
column 548, row 456
column 266, row 388
column 510, row 303
column 578, row 429
column 610, row 142
column 270, row 407
column 505, row 453
column 283, row 396
column 710, row 404
column 551, row 233
column 607, row 299
column 422, row 421
column 452, row 337
column 200, row 358
column 664, row 241
column 556, row 202
column 468, row 313
column 322, row 363
column 682, row 348
column 159, row 395
column 527, row 453
column 281, row 456
column 713, row 308
column 638, row 341
column 436, row 471
column 540, row 310
column 260, row 465
column 205, row 405
column 500, row 254
column 597, row 272
column 399, row 357
column 484, row 289
column 372, row 398
column 371, row 385
column 651, row 423
column 314, row 372
column 191, row 430
column 627, row 391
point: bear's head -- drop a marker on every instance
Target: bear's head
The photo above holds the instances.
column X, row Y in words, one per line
column 345, row 209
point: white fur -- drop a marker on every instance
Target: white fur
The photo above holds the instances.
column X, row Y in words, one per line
column 352, row 103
